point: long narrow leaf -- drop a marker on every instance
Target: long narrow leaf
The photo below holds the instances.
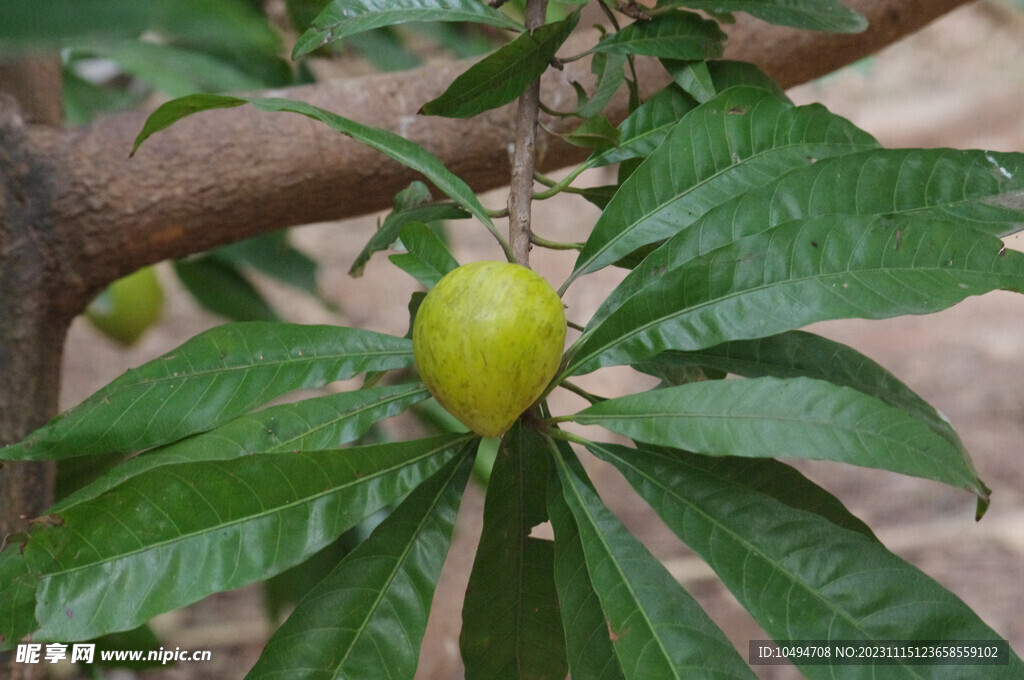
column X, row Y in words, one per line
column 797, row 353
column 800, row 272
column 787, row 418
column 969, row 187
column 657, row 629
column 674, row 35
column 367, row 617
column 510, row 622
column 738, row 140
column 226, row 24
column 815, row 15
column 588, row 647
column 500, row 77
column 175, row 534
column 212, row 378
column 972, row 188
column 427, row 258
column 646, row 127
column 312, row 424
column 343, row 18
column 408, row 153
column 801, row 576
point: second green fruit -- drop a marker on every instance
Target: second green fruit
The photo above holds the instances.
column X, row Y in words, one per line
column 487, row 340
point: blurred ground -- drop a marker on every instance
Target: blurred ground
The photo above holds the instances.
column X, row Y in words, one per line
column 959, row 83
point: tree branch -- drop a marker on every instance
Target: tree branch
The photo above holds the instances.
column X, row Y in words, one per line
column 230, row 174
column 520, row 195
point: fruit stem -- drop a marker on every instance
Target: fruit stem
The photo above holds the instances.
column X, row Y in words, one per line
column 523, row 156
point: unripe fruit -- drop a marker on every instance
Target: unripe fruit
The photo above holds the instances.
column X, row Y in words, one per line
column 128, row 306
column 487, row 340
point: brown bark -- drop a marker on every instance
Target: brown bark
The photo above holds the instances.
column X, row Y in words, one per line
column 229, row 174
column 524, row 155
column 31, row 327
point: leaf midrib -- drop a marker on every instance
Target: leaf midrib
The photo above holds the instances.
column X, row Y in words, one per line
column 623, row 233
column 644, row 327
column 248, row 518
column 751, row 549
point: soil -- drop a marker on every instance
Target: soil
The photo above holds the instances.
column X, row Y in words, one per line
column 958, row 83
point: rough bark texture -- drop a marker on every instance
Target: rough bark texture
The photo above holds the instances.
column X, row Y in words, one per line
column 32, row 328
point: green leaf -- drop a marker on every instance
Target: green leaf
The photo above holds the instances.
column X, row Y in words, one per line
column 343, row 18
column 212, row 378
column 608, row 69
column 589, row 649
column 18, row 584
column 169, row 113
column 694, row 77
column 367, row 617
column 173, row 535
column 738, row 140
column 646, row 127
column 791, row 275
column 273, row 255
column 408, row 153
column 976, row 188
column 799, row 354
column 594, row 133
column 510, row 622
column 49, row 24
column 412, row 204
column 500, row 77
column 308, row 425
column 815, row 15
column 173, row 70
column 706, row 79
column 786, row 418
column 657, row 629
column 761, row 476
column 800, row 575
column 220, row 287
column 673, row 35
column 427, row 259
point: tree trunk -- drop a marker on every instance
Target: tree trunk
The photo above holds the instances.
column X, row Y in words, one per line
column 32, row 327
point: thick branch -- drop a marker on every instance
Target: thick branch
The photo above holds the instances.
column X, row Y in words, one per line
column 225, row 175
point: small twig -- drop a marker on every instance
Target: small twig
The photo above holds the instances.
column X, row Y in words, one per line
column 523, row 157
column 579, row 391
column 554, row 245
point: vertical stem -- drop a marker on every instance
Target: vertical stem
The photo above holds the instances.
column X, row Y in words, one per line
column 521, row 191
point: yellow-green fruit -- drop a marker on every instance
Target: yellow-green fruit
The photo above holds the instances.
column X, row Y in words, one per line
column 487, row 340
column 128, row 306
